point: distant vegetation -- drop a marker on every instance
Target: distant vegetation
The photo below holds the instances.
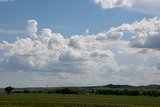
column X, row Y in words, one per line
column 96, row 96
column 8, row 89
column 151, row 90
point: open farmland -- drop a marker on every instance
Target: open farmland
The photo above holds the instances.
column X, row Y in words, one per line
column 54, row 100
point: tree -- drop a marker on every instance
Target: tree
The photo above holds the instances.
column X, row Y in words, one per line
column 8, row 89
column 26, row 91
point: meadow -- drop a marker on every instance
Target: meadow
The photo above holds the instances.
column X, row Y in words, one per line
column 69, row 100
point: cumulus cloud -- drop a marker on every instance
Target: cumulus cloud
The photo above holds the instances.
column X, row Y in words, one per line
column 149, row 36
column 101, row 57
column 112, row 34
column 143, row 44
column 50, row 52
column 144, row 34
column 150, row 7
column 107, row 4
column 146, row 41
column 71, row 55
column 32, row 28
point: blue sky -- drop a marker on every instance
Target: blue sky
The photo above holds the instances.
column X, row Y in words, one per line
column 68, row 17
column 79, row 42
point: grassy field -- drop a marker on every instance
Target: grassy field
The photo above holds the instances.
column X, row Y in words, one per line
column 46, row 100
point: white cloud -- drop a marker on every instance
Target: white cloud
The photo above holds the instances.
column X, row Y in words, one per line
column 146, row 41
column 145, row 33
column 71, row 55
column 107, row 4
column 32, row 28
column 80, row 58
column 150, row 7
column 50, row 52
column 112, row 34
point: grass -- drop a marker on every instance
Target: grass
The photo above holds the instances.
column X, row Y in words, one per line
column 52, row 100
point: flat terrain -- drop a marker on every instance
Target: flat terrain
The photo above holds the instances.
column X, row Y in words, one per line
column 54, row 100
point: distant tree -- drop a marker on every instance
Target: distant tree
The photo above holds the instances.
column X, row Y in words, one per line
column 154, row 93
column 26, row 91
column 8, row 89
column 63, row 91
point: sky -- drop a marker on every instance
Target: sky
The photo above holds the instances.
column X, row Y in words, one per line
column 50, row 43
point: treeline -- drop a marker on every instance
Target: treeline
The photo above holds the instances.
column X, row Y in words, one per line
column 52, row 91
column 130, row 92
column 96, row 91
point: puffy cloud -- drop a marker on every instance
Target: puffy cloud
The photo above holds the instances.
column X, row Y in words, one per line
column 85, row 57
column 71, row 55
column 112, row 34
column 144, row 34
column 142, row 6
column 34, row 53
column 148, row 36
column 107, row 4
column 83, row 42
column 32, row 28
column 50, row 52
column 146, row 41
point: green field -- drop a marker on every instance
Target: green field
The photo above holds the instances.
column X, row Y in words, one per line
column 54, row 100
